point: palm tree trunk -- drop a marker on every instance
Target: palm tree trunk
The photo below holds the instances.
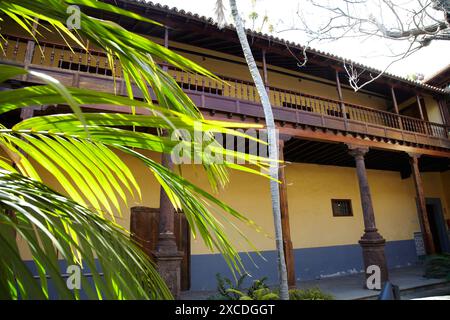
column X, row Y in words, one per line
column 273, row 148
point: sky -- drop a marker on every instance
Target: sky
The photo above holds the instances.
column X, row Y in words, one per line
column 282, row 14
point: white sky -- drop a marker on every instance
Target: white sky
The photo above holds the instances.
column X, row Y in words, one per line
column 427, row 61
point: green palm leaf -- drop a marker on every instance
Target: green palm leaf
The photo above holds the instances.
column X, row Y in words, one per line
column 81, row 151
column 48, row 221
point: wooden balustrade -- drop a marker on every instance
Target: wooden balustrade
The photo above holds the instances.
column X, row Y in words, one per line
column 59, row 56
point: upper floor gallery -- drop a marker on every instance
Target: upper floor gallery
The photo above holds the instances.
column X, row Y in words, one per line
column 390, row 109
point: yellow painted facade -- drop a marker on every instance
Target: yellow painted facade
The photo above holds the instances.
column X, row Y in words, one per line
column 310, row 190
column 432, row 109
column 310, row 187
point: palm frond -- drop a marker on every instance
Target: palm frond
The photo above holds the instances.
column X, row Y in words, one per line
column 82, row 156
column 55, row 227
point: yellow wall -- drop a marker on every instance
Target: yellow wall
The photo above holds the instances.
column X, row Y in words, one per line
column 310, row 190
column 432, row 109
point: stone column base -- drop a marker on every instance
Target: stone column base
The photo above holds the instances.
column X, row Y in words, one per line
column 373, row 244
column 169, row 267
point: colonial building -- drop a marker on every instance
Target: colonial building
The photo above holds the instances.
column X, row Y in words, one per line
column 366, row 179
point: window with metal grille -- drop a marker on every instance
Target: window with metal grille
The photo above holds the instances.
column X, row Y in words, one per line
column 342, row 207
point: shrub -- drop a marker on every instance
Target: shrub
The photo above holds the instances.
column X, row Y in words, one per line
column 257, row 285
column 258, row 294
column 259, row 290
column 227, row 289
column 438, row 266
column 309, row 294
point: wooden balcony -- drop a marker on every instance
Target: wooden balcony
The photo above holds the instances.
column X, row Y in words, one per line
column 230, row 96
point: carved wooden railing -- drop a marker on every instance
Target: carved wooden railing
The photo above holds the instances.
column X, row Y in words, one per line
column 59, row 56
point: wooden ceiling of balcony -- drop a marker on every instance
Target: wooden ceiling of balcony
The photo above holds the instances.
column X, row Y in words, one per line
column 336, row 154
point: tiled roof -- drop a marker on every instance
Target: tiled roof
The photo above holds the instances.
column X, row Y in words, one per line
column 437, row 74
column 339, row 59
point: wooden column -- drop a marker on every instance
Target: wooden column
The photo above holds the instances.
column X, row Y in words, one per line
column 265, row 76
column 372, row 242
column 167, row 211
column 286, row 230
column 341, row 99
column 167, row 256
column 422, row 116
column 421, row 205
column 394, row 100
column 31, row 45
column 444, row 111
column 420, row 107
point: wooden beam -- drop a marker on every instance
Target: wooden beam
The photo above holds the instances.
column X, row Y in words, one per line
column 421, row 205
column 394, row 100
column 341, row 99
column 331, row 137
column 419, row 105
column 286, row 231
column 445, row 111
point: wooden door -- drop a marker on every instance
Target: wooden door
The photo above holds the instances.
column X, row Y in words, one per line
column 183, row 238
column 144, row 225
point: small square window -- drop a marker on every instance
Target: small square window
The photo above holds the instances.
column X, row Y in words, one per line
column 342, row 207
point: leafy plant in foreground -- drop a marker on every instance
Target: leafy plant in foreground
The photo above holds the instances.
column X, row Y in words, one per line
column 309, row 294
column 438, row 266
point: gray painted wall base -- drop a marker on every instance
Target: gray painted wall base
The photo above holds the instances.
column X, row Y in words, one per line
column 310, row 263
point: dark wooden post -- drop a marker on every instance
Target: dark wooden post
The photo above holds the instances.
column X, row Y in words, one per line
column 31, row 45
column 341, row 99
column 419, row 105
column 422, row 115
column 394, row 100
column 421, row 206
column 286, row 230
column 444, row 111
column 372, row 242
column 265, row 76
column 167, row 256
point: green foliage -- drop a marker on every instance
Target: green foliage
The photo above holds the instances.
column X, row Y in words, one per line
column 259, row 290
column 81, row 151
column 259, row 294
column 309, row 294
column 259, row 284
column 229, row 290
column 56, row 227
column 438, row 266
